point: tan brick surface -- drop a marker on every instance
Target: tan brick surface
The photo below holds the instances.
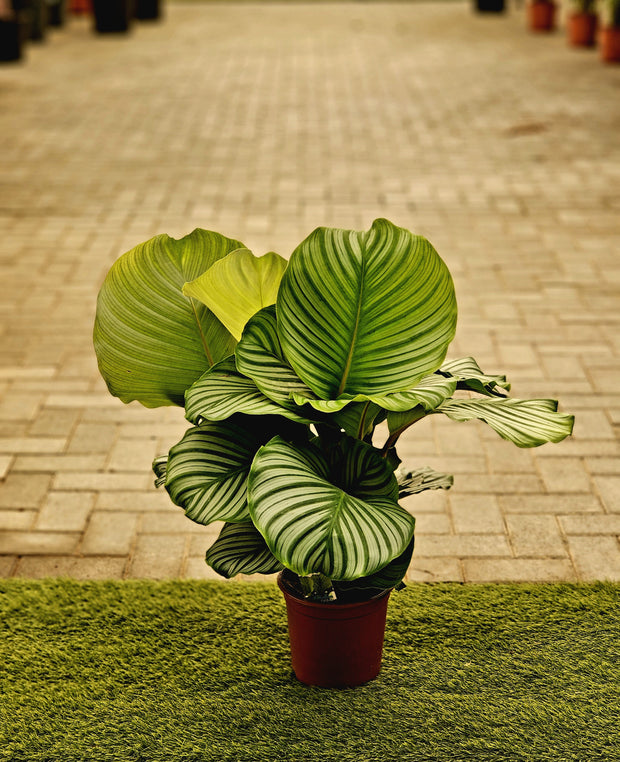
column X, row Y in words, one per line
column 264, row 121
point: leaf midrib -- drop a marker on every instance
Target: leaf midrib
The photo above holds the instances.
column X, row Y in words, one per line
column 347, row 367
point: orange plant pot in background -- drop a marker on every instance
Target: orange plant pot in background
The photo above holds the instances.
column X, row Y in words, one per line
column 609, row 43
column 541, row 15
column 581, row 28
column 80, row 7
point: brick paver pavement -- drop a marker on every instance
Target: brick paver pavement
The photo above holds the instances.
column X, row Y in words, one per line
column 262, row 122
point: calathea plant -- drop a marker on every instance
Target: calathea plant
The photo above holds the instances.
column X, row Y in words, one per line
column 285, row 370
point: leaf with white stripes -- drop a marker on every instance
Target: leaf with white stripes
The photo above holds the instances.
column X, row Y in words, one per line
column 365, row 312
column 223, row 391
column 238, row 286
column 241, row 549
column 469, row 376
column 413, row 482
column 332, row 510
column 259, row 356
column 391, row 576
column 527, row 423
column 152, row 342
column 208, row 469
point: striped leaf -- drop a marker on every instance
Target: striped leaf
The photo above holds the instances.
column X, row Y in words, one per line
column 469, row 376
column 241, row 549
column 333, row 512
column 152, row 342
column 365, row 312
column 391, row 576
column 527, row 423
column 358, row 419
column 160, row 465
column 223, row 391
column 259, row 356
column 238, row 286
column 208, row 469
column 413, row 482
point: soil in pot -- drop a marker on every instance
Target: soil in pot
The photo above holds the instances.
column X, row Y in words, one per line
column 334, row 645
column 541, row 16
column 581, row 28
column 489, row 6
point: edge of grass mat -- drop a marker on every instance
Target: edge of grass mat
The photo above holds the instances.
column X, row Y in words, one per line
column 186, row 671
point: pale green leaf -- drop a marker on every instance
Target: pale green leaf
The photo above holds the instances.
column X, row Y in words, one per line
column 365, row 312
column 412, row 482
column 238, row 286
column 152, row 342
column 469, row 376
column 527, row 423
column 333, row 512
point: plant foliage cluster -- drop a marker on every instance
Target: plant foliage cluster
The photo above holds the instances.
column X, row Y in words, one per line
column 285, row 370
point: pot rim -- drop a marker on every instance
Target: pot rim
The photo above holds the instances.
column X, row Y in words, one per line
column 315, row 604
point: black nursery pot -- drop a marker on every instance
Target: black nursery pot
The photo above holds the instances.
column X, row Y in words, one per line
column 57, row 12
column 11, row 38
column 490, row 6
column 148, row 10
column 112, row 15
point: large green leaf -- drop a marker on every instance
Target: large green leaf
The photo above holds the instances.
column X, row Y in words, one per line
column 333, row 512
column 259, row 356
column 207, row 470
column 469, row 376
column 527, row 423
column 223, row 391
column 238, row 286
column 241, row 549
column 365, row 312
column 391, row 576
column 152, row 342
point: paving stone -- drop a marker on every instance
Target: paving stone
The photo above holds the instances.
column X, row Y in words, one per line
column 564, row 475
column 434, row 570
column 23, row 491
column 476, row 514
column 16, row 519
column 7, row 566
column 96, row 481
column 55, row 463
column 110, row 534
column 535, row 536
column 40, row 567
column 5, row 464
column 36, row 543
column 518, row 570
column 462, row 546
column 609, row 490
column 65, row 511
column 595, row 557
column 607, row 524
column 158, row 556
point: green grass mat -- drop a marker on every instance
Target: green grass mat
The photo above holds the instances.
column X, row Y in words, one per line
column 200, row 672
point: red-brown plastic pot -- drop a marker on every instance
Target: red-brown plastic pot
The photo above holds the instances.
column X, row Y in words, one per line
column 541, row 16
column 335, row 645
column 609, row 43
column 581, row 28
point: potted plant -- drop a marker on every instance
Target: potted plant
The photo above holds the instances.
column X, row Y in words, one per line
column 609, row 35
column 147, row 10
column 581, row 23
column 286, row 370
column 541, row 15
column 489, row 6
column 112, row 15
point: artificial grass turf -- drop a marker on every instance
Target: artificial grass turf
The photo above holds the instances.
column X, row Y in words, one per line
column 200, row 672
